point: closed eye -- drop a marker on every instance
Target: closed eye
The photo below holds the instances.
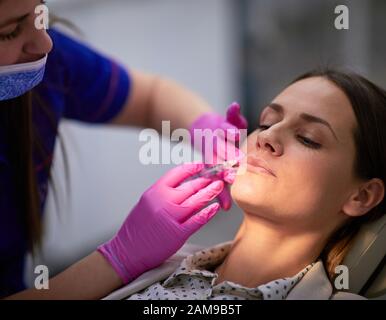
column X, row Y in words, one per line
column 11, row 35
column 303, row 140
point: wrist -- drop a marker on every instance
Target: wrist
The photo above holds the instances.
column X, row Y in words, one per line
column 113, row 263
column 125, row 272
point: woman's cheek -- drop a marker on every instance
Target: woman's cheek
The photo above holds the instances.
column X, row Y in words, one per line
column 5, row 58
column 9, row 54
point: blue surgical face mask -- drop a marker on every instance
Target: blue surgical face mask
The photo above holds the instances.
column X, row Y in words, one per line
column 17, row 79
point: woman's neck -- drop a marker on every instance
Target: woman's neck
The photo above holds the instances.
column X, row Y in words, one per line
column 263, row 251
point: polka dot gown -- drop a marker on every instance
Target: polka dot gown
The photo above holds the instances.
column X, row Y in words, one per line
column 194, row 280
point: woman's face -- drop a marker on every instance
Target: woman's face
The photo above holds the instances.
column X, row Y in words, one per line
column 308, row 145
column 20, row 41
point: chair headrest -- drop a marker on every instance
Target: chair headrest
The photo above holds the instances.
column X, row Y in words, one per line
column 366, row 254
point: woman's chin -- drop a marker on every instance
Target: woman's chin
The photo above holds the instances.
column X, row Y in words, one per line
column 250, row 184
column 247, row 193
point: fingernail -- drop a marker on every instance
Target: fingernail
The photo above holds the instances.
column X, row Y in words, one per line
column 212, row 210
column 217, row 185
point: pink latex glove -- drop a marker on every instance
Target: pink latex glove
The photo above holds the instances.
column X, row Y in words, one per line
column 167, row 214
column 234, row 120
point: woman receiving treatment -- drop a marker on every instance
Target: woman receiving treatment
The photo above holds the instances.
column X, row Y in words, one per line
column 315, row 173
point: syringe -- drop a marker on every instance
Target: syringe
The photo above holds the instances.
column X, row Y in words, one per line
column 213, row 170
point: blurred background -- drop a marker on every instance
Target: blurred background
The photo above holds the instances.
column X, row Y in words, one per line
column 225, row 50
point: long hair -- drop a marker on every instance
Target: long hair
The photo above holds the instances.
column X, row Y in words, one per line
column 16, row 118
column 25, row 142
column 369, row 105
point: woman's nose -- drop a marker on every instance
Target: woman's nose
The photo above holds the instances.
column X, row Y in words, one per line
column 265, row 141
column 39, row 43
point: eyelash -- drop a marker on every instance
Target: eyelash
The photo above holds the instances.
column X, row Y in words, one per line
column 16, row 32
column 305, row 141
column 11, row 35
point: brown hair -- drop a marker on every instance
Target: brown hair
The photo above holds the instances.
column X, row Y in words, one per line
column 369, row 104
column 16, row 117
column 17, row 120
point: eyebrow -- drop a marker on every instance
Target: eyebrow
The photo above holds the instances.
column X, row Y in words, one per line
column 305, row 116
column 14, row 20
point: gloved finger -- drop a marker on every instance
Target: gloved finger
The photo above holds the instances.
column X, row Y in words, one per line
column 225, row 200
column 231, row 132
column 189, row 188
column 220, row 147
column 214, row 151
column 229, row 175
column 225, row 150
column 235, row 117
column 198, row 220
column 200, row 199
column 177, row 175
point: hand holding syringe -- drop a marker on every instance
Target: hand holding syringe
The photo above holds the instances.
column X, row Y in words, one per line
column 218, row 168
column 228, row 168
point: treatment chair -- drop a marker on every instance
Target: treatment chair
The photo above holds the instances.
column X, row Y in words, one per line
column 366, row 261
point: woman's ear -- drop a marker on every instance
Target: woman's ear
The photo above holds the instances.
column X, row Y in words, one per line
column 366, row 197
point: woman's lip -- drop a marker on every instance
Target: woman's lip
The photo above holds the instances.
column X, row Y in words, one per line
column 260, row 164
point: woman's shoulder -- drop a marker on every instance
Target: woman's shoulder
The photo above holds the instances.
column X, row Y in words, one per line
column 71, row 54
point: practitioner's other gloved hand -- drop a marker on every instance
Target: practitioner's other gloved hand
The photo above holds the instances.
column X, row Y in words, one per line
column 226, row 150
column 167, row 214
